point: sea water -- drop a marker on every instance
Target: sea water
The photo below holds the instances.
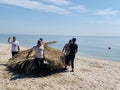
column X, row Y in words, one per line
column 90, row 46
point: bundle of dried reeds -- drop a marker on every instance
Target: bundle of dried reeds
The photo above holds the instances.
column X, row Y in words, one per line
column 54, row 59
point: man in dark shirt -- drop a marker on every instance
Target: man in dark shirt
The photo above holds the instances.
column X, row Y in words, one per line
column 73, row 50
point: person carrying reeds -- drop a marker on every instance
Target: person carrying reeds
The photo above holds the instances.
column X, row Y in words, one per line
column 73, row 50
column 39, row 54
column 66, row 50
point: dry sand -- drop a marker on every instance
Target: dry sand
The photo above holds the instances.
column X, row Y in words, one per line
column 89, row 74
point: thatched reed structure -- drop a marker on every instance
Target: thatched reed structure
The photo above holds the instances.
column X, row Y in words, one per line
column 54, row 60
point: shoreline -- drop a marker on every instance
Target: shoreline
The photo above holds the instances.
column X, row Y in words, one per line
column 84, row 56
column 89, row 74
column 87, row 49
column 98, row 58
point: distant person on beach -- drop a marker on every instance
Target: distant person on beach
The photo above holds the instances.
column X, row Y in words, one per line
column 15, row 45
column 66, row 50
column 39, row 54
column 73, row 50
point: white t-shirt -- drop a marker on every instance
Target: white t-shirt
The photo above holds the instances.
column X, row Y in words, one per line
column 15, row 45
column 38, row 51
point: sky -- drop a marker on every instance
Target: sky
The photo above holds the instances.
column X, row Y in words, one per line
column 60, row 17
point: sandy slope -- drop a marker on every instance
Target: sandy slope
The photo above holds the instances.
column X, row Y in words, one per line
column 90, row 74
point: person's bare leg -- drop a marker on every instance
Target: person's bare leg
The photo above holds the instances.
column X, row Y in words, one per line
column 72, row 65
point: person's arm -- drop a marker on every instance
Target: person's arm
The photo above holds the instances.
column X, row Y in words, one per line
column 43, row 51
column 18, row 49
column 9, row 40
column 31, row 50
column 76, row 49
column 18, row 46
column 44, row 54
column 64, row 48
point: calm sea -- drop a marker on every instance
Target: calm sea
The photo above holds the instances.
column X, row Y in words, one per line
column 89, row 46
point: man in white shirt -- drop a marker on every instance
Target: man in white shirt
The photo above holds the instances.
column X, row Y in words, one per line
column 39, row 52
column 39, row 57
column 15, row 45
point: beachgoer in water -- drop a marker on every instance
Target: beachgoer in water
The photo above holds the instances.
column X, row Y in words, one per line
column 109, row 48
column 15, row 46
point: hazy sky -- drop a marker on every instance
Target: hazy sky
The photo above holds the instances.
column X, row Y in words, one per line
column 60, row 17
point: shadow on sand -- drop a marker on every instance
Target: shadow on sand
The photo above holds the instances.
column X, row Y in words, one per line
column 3, row 64
column 42, row 73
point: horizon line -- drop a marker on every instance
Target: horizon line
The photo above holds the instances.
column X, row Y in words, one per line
column 62, row 35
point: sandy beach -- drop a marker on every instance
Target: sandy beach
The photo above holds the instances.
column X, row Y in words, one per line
column 89, row 74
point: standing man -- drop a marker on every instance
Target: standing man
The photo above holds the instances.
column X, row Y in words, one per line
column 15, row 46
column 73, row 50
column 39, row 55
column 39, row 51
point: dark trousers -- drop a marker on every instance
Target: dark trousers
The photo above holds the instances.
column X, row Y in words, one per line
column 40, row 60
column 71, row 57
column 14, row 53
column 38, row 65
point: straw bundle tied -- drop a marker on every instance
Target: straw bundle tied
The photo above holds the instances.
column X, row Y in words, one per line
column 54, row 60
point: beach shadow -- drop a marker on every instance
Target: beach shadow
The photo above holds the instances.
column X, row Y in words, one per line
column 32, row 69
column 43, row 73
column 3, row 64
